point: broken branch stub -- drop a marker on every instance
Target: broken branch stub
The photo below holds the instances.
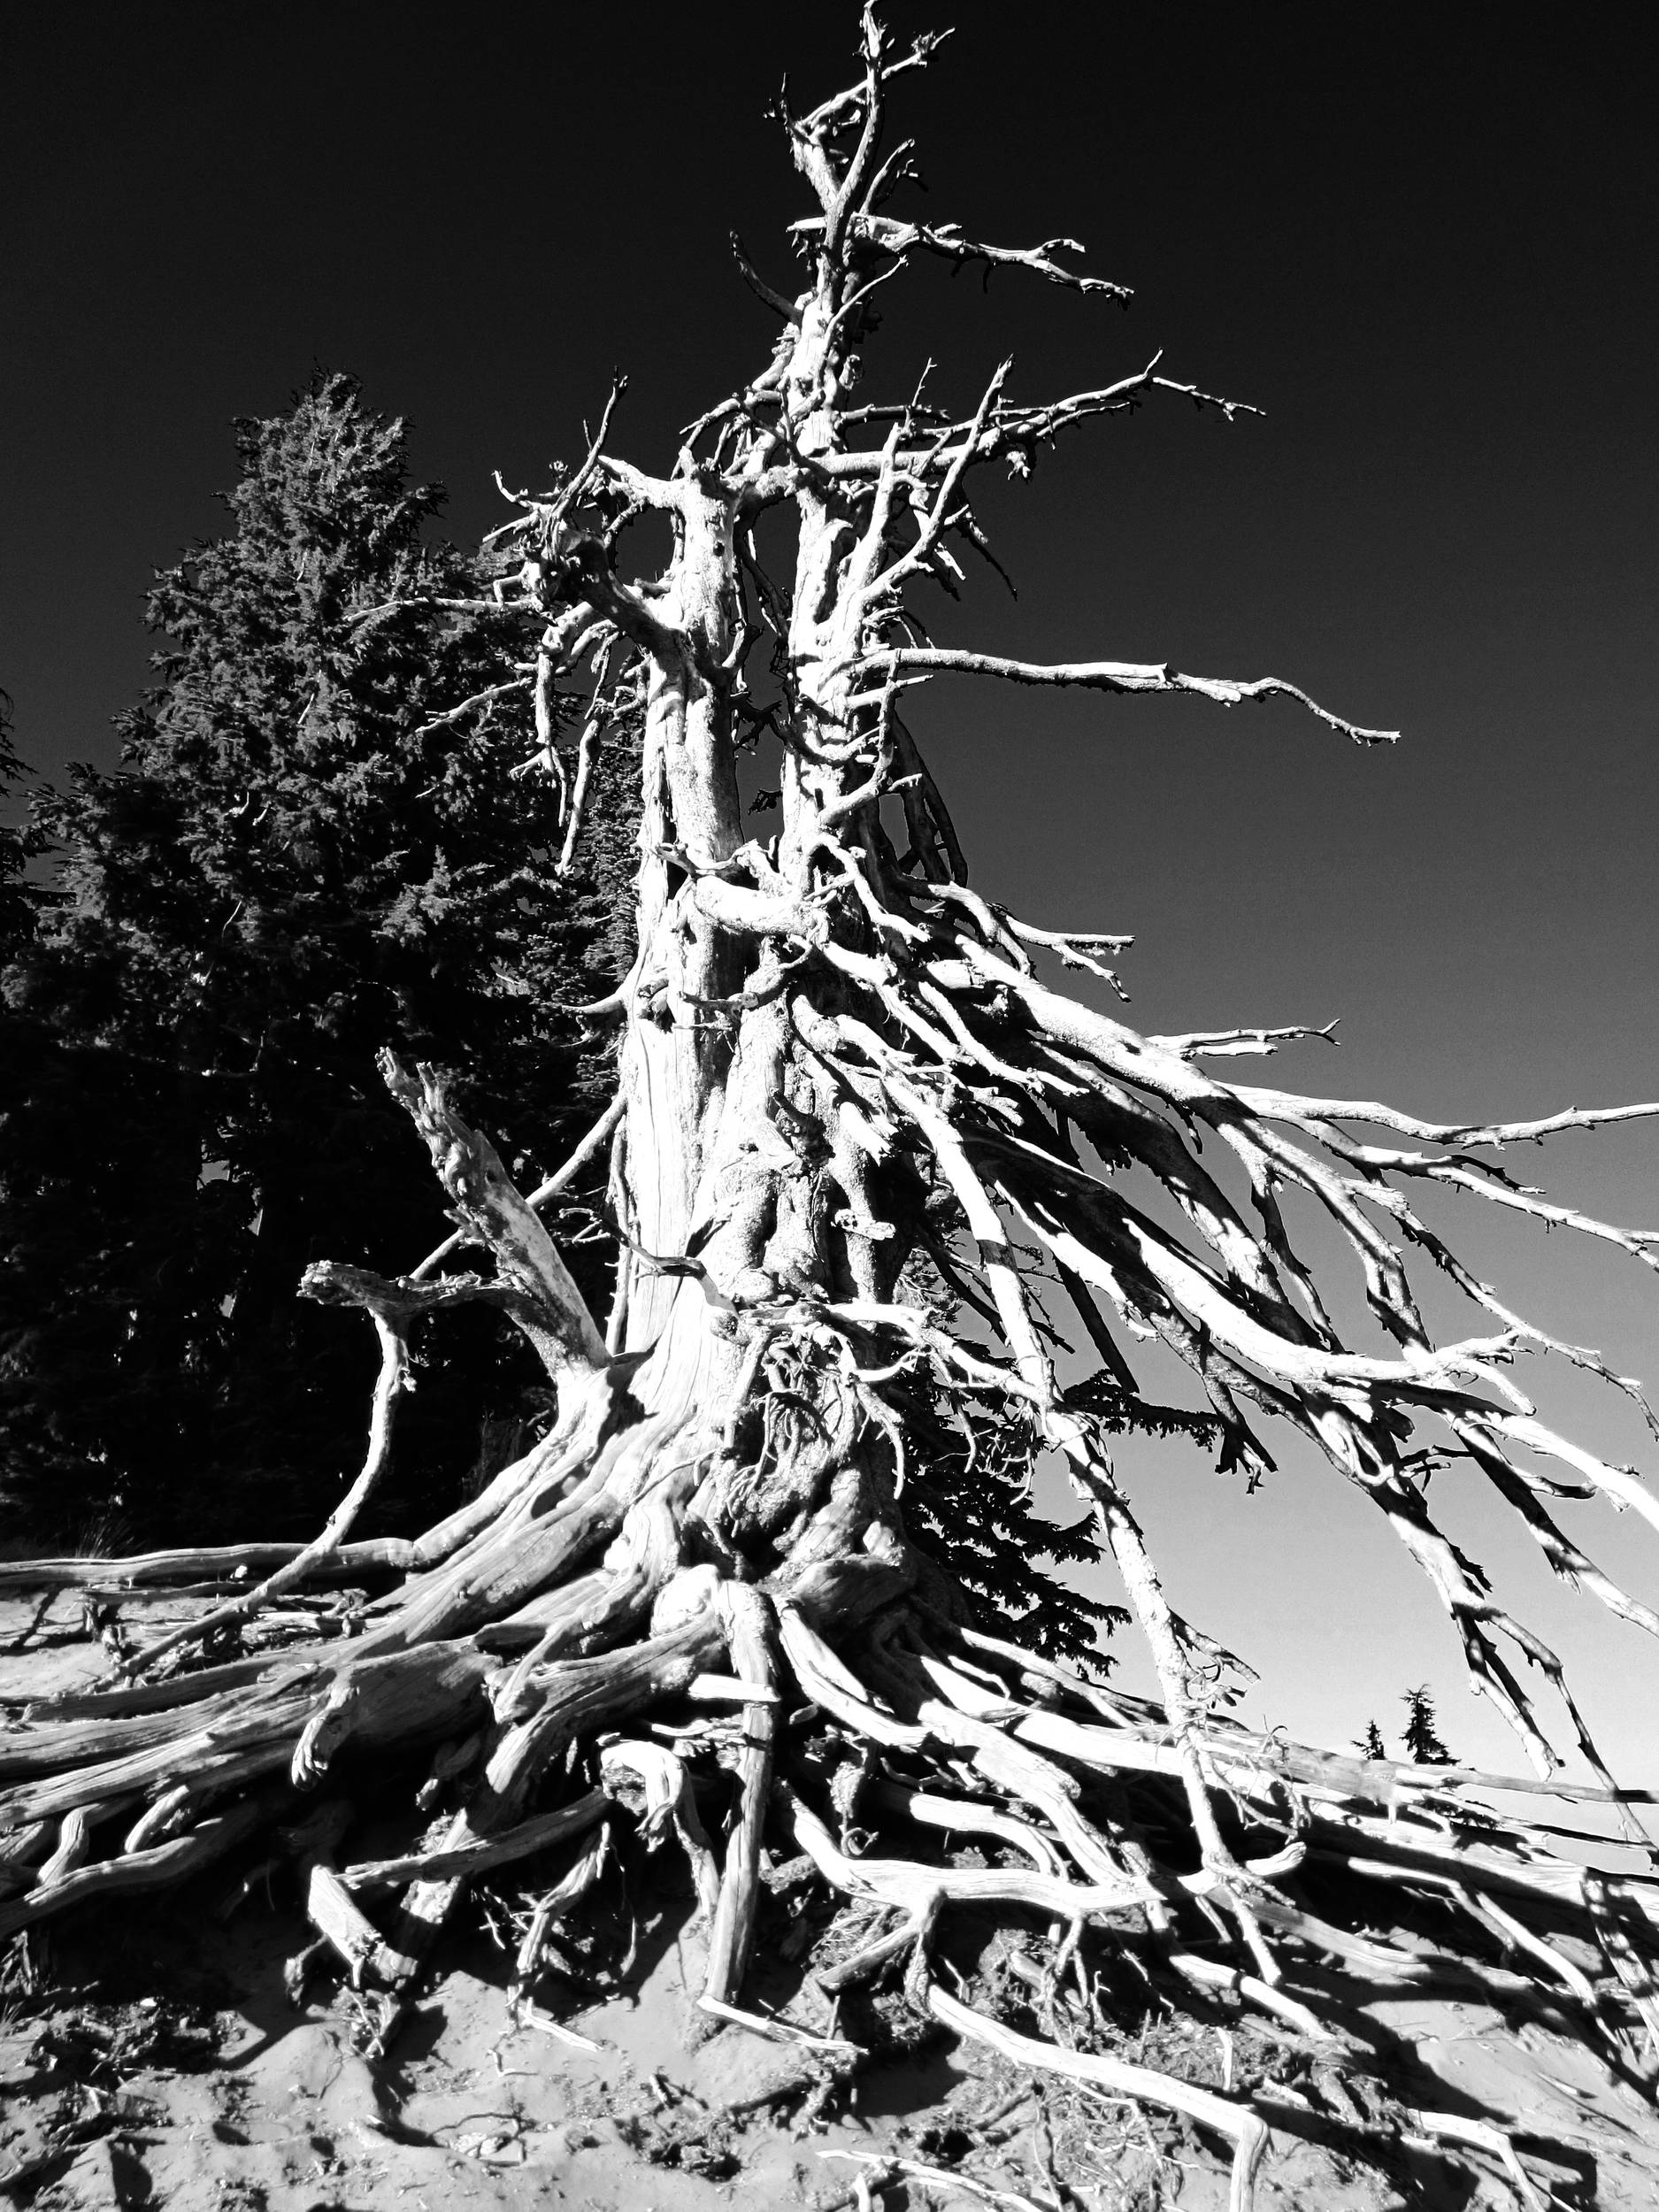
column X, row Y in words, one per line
column 543, row 1298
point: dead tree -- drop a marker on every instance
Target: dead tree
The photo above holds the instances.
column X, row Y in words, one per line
column 839, row 1061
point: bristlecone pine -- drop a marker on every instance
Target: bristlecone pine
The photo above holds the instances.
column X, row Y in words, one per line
column 853, row 1101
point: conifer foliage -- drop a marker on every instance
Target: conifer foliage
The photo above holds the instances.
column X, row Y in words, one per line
column 304, row 856
column 1422, row 1735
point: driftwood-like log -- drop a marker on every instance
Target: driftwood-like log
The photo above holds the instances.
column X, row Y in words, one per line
column 477, row 1855
column 731, row 1937
column 329, row 1906
column 157, row 1869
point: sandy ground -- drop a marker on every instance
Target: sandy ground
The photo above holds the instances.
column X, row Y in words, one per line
column 158, row 2061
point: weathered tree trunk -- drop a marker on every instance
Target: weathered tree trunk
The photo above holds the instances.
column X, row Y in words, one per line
column 835, row 1059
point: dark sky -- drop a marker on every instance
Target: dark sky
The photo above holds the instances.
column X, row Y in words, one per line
column 1423, row 239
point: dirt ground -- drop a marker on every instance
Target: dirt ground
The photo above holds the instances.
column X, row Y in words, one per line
column 152, row 2054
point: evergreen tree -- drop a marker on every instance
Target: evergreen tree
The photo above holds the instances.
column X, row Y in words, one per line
column 1421, row 1737
column 972, row 1504
column 970, row 1482
column 1371, row 1745
column 305, row 855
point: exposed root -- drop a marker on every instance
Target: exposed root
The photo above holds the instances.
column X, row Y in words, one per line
column 1236, row 2123
column 1094, row 1863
